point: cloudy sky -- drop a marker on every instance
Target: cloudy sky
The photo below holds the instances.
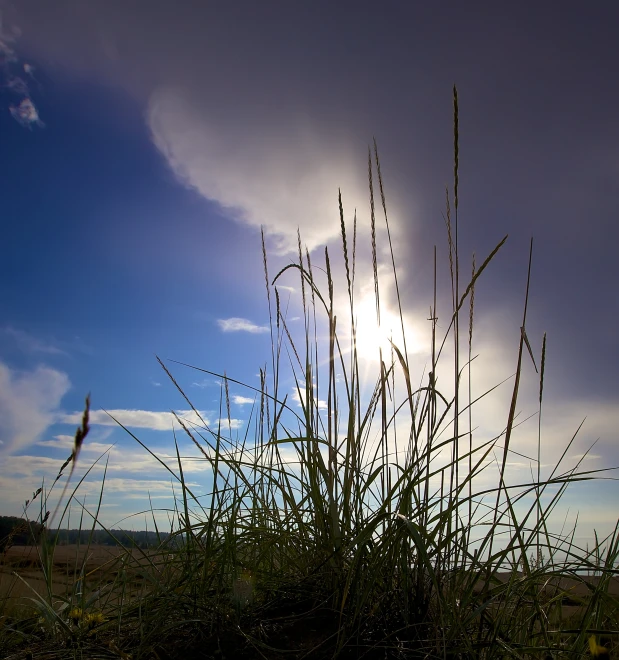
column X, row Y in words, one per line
column 144, row 144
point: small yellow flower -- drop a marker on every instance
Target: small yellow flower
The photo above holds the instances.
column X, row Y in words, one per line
column 75, row 615
column 94, row 619
column 597, row 651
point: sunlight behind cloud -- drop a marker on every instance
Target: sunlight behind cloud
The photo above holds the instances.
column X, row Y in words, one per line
column 370, row 336
column 281, row 177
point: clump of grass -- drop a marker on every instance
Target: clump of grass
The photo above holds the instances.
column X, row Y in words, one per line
column 332, row 534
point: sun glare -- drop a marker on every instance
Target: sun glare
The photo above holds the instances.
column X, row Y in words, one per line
column 370, row 336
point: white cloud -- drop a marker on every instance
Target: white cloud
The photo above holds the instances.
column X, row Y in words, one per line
column 143, row 419
column 241, row 400
column 126, row 458
column 231, row 423
column 28, row 404
column 95, row 442
column 124, row 495
column 148, row 419
column 236, row 324
column 64, row 442
column 282, row 175
column 322, row 404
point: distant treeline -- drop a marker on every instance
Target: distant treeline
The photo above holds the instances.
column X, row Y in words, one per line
column 17, row 531
column 111, row 537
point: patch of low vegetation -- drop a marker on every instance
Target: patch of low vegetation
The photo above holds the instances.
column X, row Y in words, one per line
column 351, row 529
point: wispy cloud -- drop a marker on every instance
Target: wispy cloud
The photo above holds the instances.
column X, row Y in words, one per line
column 142, row 419
column 6, row 40
column 585, row 457
column 130, row 473
column 29, row 402
column 24, row 111
column 236, row 324
column 63, row 442
column 203, row 383
column 30, row 344
column 148, row 419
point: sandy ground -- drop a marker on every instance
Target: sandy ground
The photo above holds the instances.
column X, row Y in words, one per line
column 100, row 564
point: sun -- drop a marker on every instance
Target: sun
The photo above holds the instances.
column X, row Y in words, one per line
column 371, row 337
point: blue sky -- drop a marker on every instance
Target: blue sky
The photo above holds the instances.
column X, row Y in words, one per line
column 143, row 145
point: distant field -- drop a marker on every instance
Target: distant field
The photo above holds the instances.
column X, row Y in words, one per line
column 100, row 564
column 574, row 591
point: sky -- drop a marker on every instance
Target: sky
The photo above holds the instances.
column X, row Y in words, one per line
column 144, row 145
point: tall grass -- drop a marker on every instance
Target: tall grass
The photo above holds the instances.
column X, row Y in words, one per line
column 348, row 525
